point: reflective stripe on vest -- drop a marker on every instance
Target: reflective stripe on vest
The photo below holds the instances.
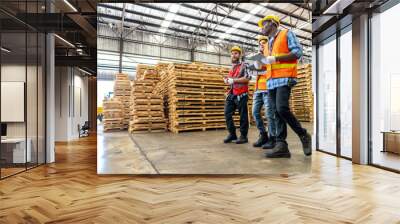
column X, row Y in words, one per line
column 238, row 88
column 261, row 83
column 287, row 69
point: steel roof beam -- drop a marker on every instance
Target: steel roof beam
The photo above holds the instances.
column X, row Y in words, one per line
column 192, row 17
column 171, row 28
column 155, row 44
column 282, row 22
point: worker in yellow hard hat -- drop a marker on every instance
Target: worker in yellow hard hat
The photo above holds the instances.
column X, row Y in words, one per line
column 280, row 58
column 262, row 40
column 237, row 97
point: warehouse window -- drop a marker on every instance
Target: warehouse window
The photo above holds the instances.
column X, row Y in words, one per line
column 346, row 92
column 326, row 105
column 385, row 89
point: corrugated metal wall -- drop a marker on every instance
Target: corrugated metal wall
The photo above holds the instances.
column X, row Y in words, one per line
column 149, row 48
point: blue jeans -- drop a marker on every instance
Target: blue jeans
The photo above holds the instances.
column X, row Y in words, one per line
column 260, row 99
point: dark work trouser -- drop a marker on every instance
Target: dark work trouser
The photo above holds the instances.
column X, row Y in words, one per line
column 279, row 98
column 231, row 104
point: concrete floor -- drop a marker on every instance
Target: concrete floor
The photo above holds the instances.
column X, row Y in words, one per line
column 192, row 153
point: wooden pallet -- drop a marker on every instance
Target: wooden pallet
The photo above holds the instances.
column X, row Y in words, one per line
column 301, row 100
column 113, row 115
column 147, row 109
column 195, row 96
column 122, row 90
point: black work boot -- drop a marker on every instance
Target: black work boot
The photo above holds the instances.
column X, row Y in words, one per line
column 270, row 144
column 230, row 138
column 242, row 139
column 262, row 139
column 306, row 141
column 279, row 151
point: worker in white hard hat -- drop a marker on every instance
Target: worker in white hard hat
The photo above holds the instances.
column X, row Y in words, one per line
column 237, row 97
column 280, row 58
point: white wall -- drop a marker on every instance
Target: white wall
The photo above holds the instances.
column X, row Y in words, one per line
column 12, row 73
column 33, row 127
column 71, row 102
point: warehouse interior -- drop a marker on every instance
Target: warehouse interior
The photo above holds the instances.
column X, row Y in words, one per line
column 353, row 173
column 165, row 68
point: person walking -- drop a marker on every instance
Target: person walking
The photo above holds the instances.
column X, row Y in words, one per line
column 280, row 57
column 237, row 97
column 260, row 100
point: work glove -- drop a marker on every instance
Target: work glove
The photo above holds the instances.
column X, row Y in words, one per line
column 268, row 60
column 229, row 81
column 257, row 65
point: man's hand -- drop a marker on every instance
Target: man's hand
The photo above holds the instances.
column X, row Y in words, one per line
column 256, row 57
column 268, row 60
column 229, row 81
column 257, row 65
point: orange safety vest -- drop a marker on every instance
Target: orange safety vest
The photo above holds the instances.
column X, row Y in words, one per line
column 261, row 82
column 287, row 69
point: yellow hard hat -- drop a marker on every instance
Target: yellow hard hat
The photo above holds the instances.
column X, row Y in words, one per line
column 236, row 48
column 261, row 37
column 269, row 17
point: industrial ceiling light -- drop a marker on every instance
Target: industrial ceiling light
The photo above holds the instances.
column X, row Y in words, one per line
column 5, row 50
column 70, row 5
column 303, row 25
column 64, row 40
column 238, row 24
column 169, row 18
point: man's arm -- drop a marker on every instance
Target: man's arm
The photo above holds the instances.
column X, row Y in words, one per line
column 244, row 77
column 242, row 80
column 296, row 50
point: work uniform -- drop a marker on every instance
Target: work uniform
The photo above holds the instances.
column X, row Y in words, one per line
column 236, row 99
column 281, row 77
column 260, row 99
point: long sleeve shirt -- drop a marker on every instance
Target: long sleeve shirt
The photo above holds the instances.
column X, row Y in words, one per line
column 295, row 48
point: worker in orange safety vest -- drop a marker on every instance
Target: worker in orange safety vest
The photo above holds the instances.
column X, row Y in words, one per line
column 260, row 99
column 280, row 58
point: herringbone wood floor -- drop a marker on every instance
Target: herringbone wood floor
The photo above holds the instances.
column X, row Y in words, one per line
column 70, row 191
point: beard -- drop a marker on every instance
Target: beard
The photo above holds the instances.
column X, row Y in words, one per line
column 266, row 32
column 235, row 60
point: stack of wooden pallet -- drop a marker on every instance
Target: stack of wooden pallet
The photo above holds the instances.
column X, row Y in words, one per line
column 141, row 69
column 196, row 96
column 122, row 92
column 301, row 101
column 147, row 109
column 161, row 67
column 113, row 116
column 150, row 74
column 161, row 89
